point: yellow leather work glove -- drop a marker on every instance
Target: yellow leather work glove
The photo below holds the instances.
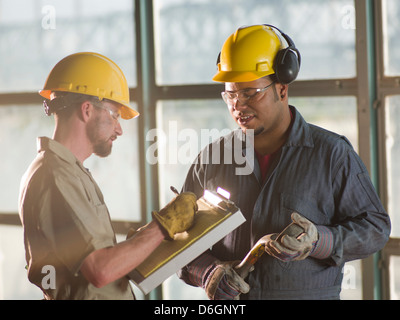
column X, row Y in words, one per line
column 178, row 215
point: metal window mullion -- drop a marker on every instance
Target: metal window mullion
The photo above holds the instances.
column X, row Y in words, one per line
column 146, row 101
column 386, row 86
column 367, row 119
column 147, row 92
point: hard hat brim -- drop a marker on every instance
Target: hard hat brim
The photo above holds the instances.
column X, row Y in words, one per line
column 126, row 111
column 239, row 76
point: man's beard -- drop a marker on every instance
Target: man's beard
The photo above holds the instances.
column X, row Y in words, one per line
column 258, row 131
column 101, row 147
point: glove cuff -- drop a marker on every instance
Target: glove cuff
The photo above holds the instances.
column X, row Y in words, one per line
column 324, row 246
column 217, row 286
column 199, row 269
column 160, row 221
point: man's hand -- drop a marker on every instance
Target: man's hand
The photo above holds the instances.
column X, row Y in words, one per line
column 178, row 215
column 224, row 283
column 290, row 248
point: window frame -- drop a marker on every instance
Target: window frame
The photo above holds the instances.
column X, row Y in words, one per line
column 370, row 87
column 386, row 86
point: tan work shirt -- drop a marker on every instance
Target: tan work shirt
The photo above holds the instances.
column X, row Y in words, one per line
column 65, row 219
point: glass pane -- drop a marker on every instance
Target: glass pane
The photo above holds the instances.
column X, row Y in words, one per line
column 35, row 35
column 183, row 132
column 391, row 26
column 19, row 128
column 392, row 160
column 117, row 175
column 187, row 49
column 14, row 283
column 394, row 268
column 337, row 114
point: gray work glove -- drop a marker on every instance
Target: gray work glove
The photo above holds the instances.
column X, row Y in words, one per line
column 224, row 283
column 290, row 248
column 178, row 215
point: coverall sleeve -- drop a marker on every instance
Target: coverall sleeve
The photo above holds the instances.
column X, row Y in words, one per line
column 361, row 226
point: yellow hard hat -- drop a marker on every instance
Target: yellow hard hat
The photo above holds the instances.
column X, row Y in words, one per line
column 254, row 52
column 248, row 54
column 91, row 74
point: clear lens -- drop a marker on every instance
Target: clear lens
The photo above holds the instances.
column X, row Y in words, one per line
column 243, row 96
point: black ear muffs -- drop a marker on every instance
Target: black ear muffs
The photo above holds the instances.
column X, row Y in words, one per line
column 287, row 61
column 286, row 66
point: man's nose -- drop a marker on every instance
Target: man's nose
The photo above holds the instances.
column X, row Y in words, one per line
column 237, row 105
column 118, row 129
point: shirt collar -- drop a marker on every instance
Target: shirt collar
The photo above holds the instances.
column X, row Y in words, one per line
column 47, row 144
column 300, row 133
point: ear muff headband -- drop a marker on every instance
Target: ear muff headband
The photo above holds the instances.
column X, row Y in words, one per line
column 287, row 61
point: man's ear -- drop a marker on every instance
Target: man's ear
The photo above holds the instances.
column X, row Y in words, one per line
column 86, row 111
column 283, row 91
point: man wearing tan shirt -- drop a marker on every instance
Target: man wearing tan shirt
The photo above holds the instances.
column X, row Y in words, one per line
column 66, row 223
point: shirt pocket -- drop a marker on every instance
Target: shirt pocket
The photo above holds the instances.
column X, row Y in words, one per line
column 310, row 210
column 306, row 207
column 91, row 192
column 101, row 227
